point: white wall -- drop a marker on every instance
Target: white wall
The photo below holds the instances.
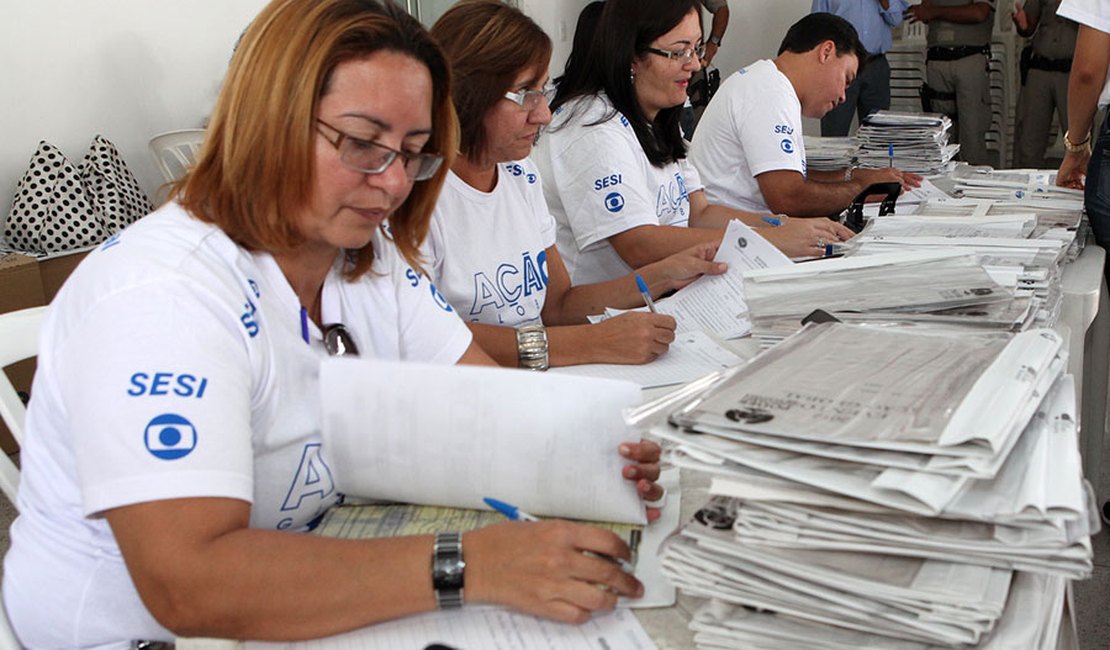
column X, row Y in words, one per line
column 126, row 69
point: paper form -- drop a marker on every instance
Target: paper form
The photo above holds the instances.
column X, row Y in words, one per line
column 691, row 355
column 486, row 629
column 451, row 435
column 395, row 520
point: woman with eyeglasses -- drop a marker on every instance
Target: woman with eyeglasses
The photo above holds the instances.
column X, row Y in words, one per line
column 491, row 246
column 173, row 457
column 614, row 163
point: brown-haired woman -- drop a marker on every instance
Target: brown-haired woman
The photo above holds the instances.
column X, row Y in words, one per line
column 492, row 240
column 173, row 445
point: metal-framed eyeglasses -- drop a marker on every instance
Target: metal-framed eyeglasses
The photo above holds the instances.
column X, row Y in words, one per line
column 338, row 341
column 371, row 157
column 530, row 100
column 684, row 56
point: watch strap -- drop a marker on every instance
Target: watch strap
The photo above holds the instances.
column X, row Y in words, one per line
column 448, row 570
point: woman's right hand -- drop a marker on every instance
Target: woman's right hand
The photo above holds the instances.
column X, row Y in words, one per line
column 632, row 337
column 805, row 237
column 542, row 568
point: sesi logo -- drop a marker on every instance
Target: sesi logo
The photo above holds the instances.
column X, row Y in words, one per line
column 167, row 383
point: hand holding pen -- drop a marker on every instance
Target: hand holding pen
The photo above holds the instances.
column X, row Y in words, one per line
column 516, row 514
column 541, row 569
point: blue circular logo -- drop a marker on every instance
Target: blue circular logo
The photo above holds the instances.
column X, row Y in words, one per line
column 787, row 145
column 170, row 437
column 614, row 202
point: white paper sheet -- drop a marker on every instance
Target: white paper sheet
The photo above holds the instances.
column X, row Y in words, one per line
column 452, row 435
column 691, row 355
column 485, row 629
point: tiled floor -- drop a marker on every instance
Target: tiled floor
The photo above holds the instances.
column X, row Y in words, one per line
column 1092, row 597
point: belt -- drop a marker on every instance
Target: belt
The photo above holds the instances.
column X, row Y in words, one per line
column 1038, row 62
column 937, row 53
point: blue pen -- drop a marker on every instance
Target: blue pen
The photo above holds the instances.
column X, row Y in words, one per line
column 774, row 221
column 890, row 153
column 645, row 293
column 511, row 512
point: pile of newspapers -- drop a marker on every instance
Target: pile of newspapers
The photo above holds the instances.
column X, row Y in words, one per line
column 1023, row 186
column 939, row 288
column 882, row 488
column 829, row 154
column 915, row 142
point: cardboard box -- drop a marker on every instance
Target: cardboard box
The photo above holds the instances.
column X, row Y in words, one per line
column 29, row 282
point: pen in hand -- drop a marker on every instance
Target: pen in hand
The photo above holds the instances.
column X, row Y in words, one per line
column 774, row 221
column 890, row 153
column 646, row 294
column 513, row 513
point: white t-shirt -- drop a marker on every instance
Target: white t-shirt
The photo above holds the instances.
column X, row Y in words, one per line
column 1094, row 14
column 599, row 183
column 487, row 251
column 752, row 125
column 175, row 364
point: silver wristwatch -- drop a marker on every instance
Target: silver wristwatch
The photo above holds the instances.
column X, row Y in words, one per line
column 531, row 347
column 448, row 568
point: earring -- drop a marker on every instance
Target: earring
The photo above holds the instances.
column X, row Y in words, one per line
column 631, row 75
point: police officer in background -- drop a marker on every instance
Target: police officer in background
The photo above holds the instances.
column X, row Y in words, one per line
column 703, row 83
column 1046, row 63
column 956, row 68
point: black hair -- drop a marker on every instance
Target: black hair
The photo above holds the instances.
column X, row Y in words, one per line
column 814, row 29
column 624, row 31
column 578, row 63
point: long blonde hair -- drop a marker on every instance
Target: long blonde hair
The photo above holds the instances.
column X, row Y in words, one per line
column 256, row 169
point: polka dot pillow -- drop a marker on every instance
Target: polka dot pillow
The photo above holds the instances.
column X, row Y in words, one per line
column 112, row 187
column 51, row 211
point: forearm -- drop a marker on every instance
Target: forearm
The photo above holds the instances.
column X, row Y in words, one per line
column 718, row 216
column 567, row 345
column 586, row 299
column 1088, row 75
column 720, row 23
column 644, row 245
column 816, row 198
column 270, row 585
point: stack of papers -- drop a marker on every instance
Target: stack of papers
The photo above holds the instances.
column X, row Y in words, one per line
column 1054, row 220
column 1027, row 186
column 829, row 154
column 883, row 489
column 915, row 142
column 881, row 286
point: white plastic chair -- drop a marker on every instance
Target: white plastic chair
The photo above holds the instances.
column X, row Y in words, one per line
column 175, row 151
column 19, row 340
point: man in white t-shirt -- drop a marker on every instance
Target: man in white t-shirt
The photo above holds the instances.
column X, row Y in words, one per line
column 748, row 147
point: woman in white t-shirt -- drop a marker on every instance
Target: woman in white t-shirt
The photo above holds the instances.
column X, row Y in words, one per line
column 491, row 245
column 617, row 178
column 173, row 450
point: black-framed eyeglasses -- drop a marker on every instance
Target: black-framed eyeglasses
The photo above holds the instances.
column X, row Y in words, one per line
column 373, row 158
column 684, row 56
column 530, row 100
column 338, row 341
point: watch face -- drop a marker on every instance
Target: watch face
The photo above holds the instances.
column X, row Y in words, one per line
column 448, row 573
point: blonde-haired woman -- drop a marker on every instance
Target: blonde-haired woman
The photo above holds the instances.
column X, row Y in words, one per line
column 173, row 450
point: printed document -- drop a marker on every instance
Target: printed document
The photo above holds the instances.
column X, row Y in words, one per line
column 452, row 435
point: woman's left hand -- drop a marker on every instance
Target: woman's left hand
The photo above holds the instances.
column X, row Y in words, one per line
column 685, row 266
column 644, row 472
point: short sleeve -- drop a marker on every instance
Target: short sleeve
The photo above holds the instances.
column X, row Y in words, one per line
column 771, row 134
column 429, row 329
column 545, row 222
column 156, row 382
column 599, row 174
